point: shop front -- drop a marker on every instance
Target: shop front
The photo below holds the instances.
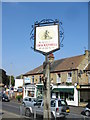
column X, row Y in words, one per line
column 29, row 90
column 64, row 93
column 39, row 92
column 69, row 93
column 84, row 92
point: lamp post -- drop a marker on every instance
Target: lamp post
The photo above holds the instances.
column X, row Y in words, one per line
column 10, row 82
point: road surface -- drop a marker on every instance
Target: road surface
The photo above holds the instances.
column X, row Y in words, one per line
column 12, row 110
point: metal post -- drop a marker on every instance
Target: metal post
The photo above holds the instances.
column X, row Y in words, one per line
column 10, row 87
column 47, row 110
column 34, row 114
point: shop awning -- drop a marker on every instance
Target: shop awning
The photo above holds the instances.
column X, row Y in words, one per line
column 39, row 86
column 67, row 90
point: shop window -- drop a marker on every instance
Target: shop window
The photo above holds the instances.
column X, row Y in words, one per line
column 39, row 92
column 70, row 97
column 31, row 93
column 67, row 96
column 61, row 95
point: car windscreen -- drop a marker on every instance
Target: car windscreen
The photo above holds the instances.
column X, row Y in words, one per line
column 5, row 96
column 62, row 103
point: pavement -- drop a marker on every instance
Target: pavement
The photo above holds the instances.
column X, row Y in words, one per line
column 6, row 114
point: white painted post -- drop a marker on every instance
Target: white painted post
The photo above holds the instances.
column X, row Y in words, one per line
column 76, row 96
column 34, row 113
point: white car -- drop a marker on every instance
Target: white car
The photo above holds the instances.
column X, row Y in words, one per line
column 28, row 101
column 59, row 108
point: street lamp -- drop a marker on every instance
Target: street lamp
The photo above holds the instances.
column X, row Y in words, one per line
column 10, row 82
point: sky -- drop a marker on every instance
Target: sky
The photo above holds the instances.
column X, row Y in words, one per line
column 17, row 20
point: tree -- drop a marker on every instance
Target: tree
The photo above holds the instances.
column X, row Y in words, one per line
column 12, row 80
column 3, row 77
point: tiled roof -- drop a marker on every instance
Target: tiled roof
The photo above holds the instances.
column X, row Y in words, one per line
column 60, row 65
column 36, row 70
column 69, row 63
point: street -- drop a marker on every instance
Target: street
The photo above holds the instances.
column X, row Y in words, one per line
column 11, row 107
column 12, row 110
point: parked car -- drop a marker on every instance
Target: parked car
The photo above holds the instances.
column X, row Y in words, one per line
column 59, row 108
column 86, row 110
column 5, row 98
column 28, row 101
column 29, row 109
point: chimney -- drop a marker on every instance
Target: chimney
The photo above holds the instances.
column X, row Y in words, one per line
column 86, row 52
column 51, row 58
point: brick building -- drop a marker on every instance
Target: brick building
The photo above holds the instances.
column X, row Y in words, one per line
column 70, row 79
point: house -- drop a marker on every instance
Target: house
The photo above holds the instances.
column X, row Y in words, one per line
column 68, row 77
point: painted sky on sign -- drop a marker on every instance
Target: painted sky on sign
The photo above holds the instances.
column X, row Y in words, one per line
column 17, row 19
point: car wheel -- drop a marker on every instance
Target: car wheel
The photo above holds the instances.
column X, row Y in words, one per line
column 87, row 113
column 27, row 112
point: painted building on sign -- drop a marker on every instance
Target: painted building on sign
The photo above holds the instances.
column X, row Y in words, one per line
column 69, row 79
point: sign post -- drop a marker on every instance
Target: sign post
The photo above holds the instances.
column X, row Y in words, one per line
column 46, row 81
column 46, row 41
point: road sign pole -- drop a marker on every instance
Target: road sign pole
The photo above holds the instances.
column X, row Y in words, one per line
column 47, row 111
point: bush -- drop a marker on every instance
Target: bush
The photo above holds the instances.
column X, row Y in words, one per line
column 19, row 97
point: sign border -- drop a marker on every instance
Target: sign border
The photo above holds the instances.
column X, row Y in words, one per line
column 46, row 53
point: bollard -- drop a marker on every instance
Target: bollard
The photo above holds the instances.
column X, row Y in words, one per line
column 20, row 111
column 34, row 113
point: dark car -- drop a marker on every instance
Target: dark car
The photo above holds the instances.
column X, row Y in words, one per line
column 5, row 98
column 86, row 110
